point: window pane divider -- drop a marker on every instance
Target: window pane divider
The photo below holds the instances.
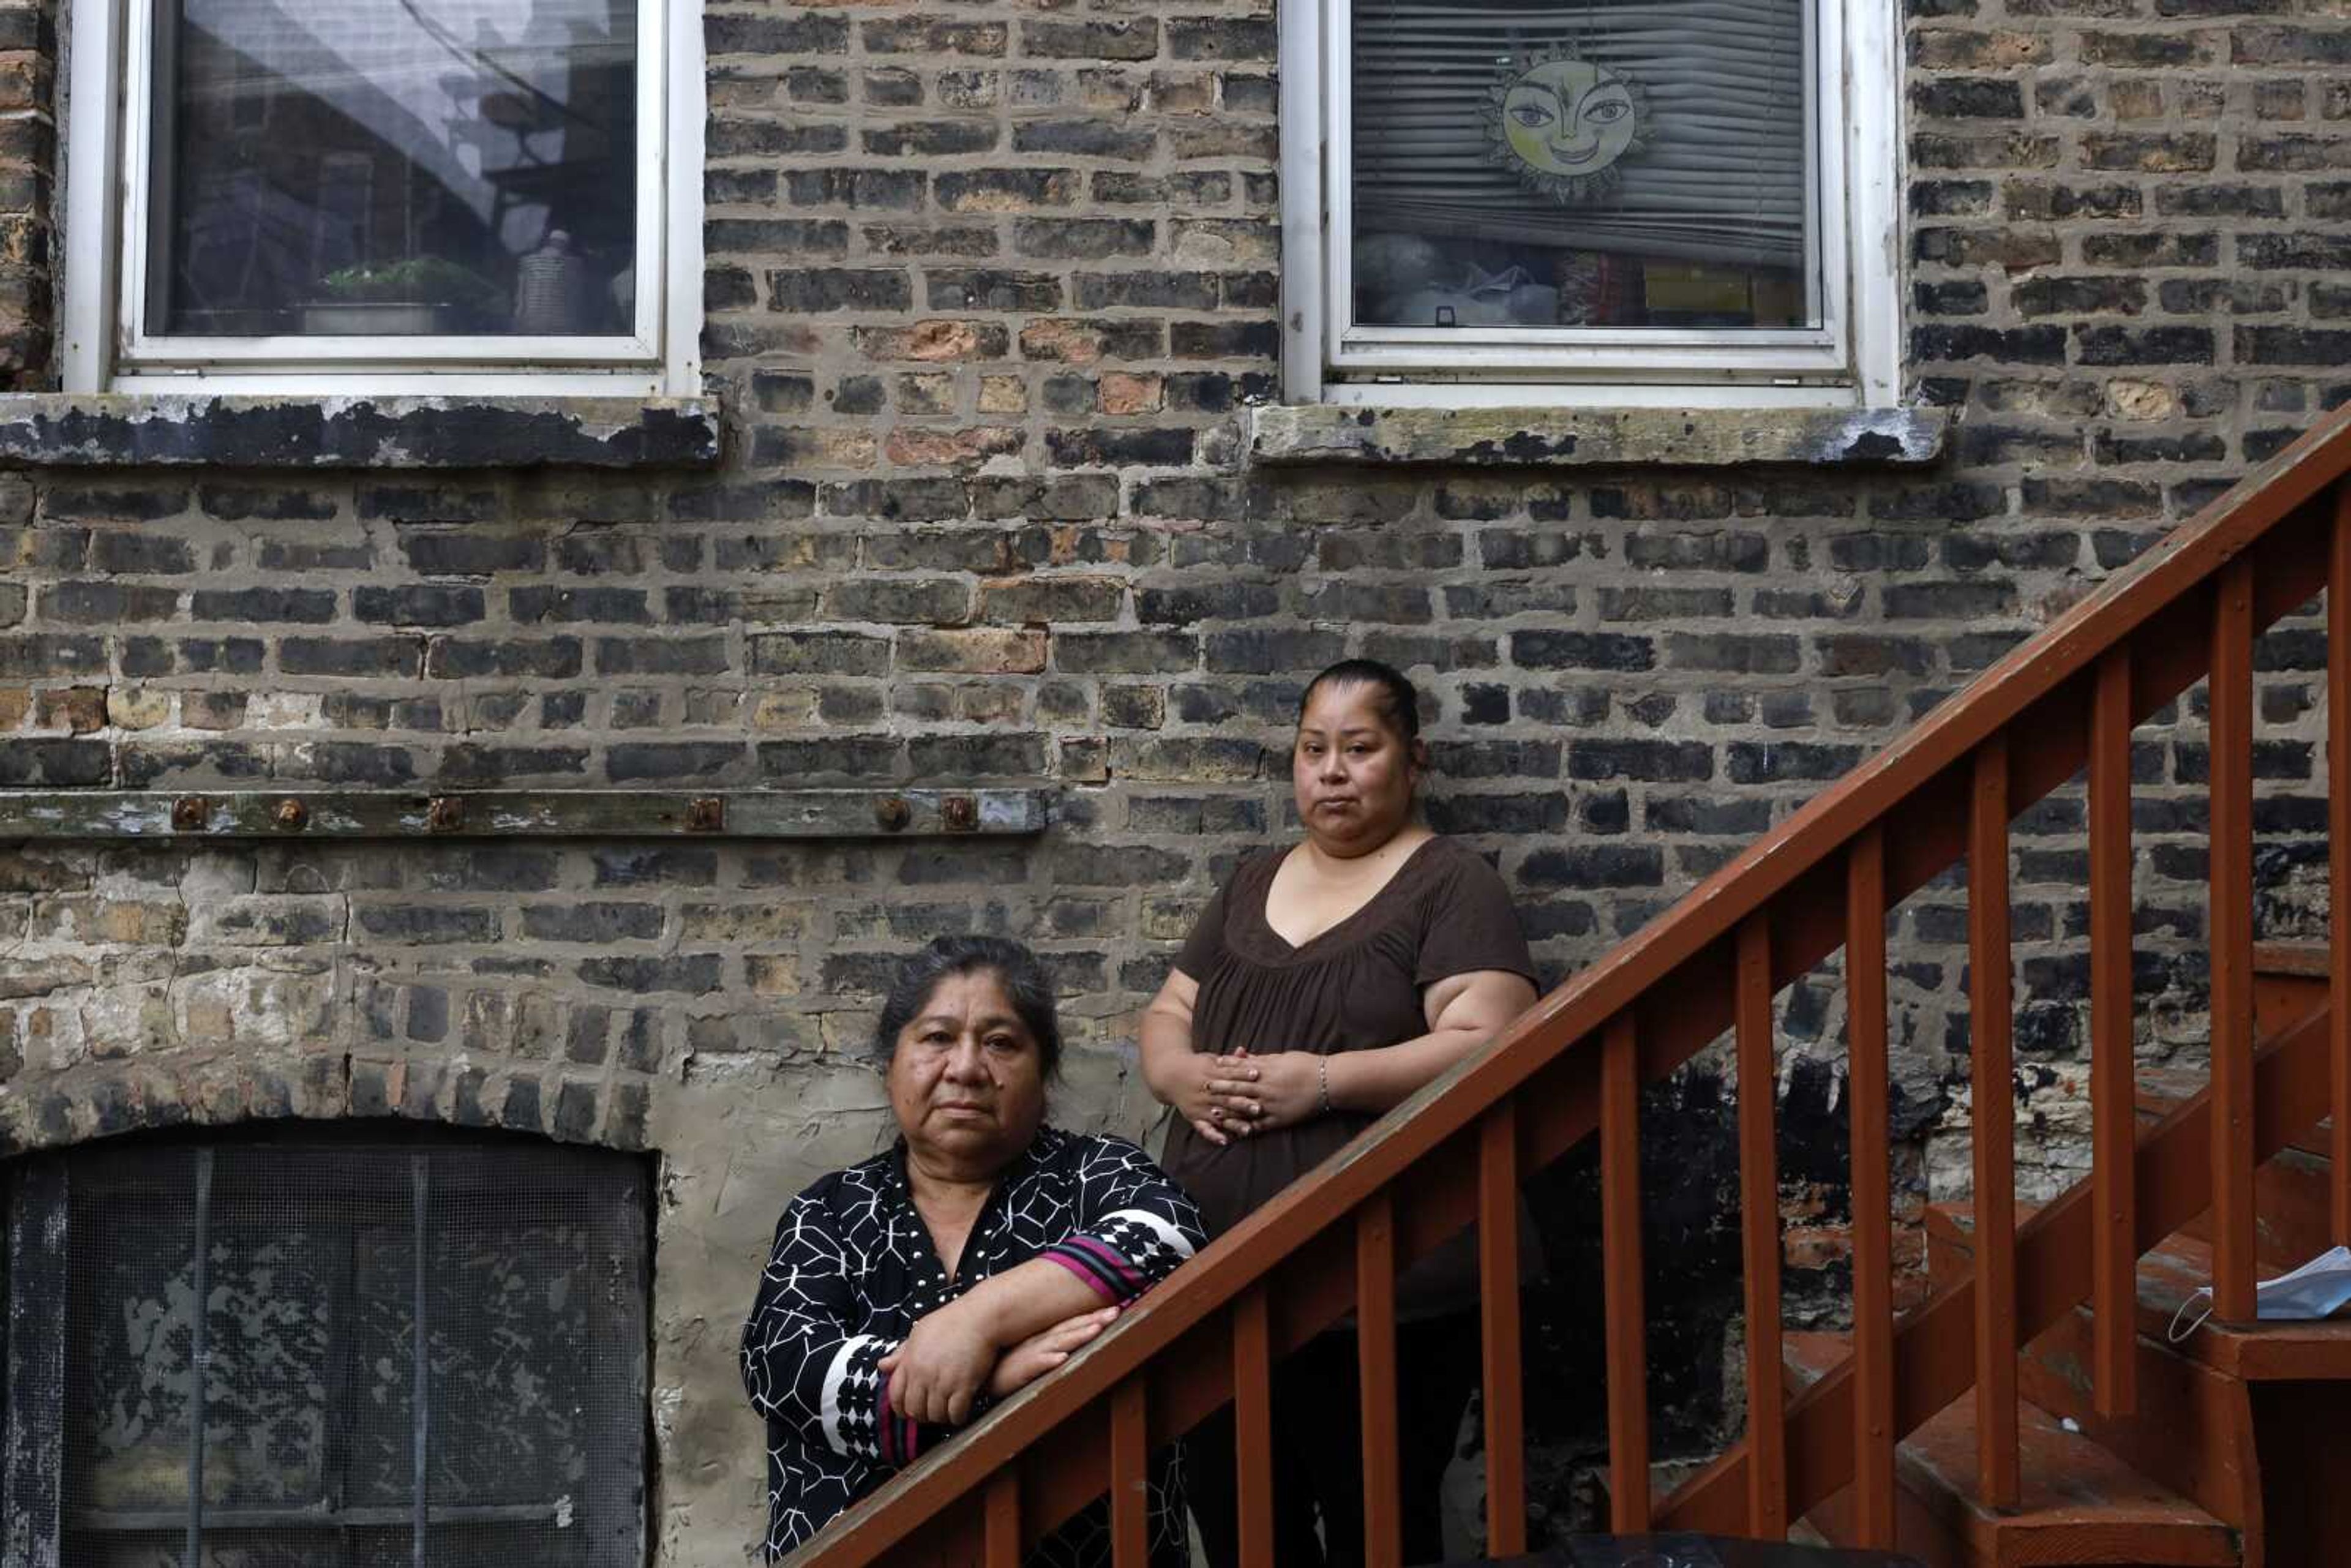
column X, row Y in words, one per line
column 420, row 1398
column 199, row 1359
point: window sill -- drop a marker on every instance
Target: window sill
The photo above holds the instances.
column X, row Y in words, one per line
column 1299, row 433
column 180, row 429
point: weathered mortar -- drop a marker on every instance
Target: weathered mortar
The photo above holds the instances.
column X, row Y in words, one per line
column 986, row 292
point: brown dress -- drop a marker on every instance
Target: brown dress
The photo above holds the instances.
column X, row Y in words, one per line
column 1356, row 986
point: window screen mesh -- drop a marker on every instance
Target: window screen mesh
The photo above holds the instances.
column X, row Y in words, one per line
column 531, row 1288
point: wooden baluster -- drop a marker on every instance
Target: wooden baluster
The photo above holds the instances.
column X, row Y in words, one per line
column 1498, row 1289
column 1375, row 1342
column 1758, row 1202
column 1253, row 1427
column 2113, row 1111
column 1873, row 1198
column 2232, row 939
column 1620, row 1274
column 1129, row 1477
column 1989, row 1025
column 1003, row 1526
column 2338, row 837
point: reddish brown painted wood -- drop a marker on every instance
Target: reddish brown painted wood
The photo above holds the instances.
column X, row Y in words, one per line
column 1003, row 1508
column 1253, row 1427
column 1990, row 1021
column 2193, row 1431
column 2338, row 837
column 2113, row 1094
column 1621, row 1292
column 2079, row 1504
column 1376, row 1361
column 1130, row 1479
column 1498, row 1289
column 1934, row 1351
column 1872, row 1196
column 2231, row 934
column 1759, row 1202
column 1678, row 971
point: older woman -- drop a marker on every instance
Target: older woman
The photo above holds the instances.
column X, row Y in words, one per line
column 1325, row 982
column 977, row 1254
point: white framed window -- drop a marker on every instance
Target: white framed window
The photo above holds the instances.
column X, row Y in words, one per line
column 1670, row 203
column 445, row 196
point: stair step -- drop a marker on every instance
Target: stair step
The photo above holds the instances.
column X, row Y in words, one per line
column 2167, row 1276
column 2163, row 1090
column 2080, row 1504
column 2308, row 960
column 2258, row 1352
column 2190, row 1428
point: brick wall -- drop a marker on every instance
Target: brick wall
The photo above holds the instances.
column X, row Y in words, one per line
column 985, row 288
column 28, row 64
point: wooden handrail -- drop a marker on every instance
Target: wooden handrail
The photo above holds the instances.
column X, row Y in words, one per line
column 1293, row 1268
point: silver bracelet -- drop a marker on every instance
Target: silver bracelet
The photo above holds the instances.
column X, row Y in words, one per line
column 1324, row 1072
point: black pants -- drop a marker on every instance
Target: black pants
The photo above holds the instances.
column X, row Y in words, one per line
column 1318, row 1448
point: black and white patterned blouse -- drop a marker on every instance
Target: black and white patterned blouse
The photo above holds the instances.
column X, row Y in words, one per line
column 853, row 1268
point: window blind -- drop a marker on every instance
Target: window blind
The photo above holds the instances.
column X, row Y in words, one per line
column 1720, row 176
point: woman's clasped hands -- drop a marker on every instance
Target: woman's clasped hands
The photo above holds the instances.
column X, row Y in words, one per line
column 1238, row 1093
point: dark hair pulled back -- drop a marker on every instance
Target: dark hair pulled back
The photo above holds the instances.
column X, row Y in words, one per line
column 1026, row 986
column 1398, row 702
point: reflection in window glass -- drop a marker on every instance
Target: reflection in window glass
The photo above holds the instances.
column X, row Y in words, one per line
column 1616, row 164
column 366, row 167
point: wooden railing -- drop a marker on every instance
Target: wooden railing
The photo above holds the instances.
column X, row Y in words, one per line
column 1456, row 1153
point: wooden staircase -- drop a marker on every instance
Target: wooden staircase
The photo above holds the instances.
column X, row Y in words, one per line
column 1946, row 1427
column 2191, row 1476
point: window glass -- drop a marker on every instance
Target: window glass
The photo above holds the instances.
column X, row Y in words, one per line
column 393, row 167
column 1621, row 163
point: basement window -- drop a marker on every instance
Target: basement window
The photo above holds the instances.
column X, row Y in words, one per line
column 1669, row 203
column 382, row 195
column 247, row 1354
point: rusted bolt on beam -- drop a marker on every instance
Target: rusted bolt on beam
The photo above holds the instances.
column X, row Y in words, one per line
column 706, row 814
column 892, row 812
column 445, row 813
column 188, row 813
column 960, row 813
column 291, row 813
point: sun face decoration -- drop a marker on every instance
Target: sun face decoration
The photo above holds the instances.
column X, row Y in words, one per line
column 1563, row 126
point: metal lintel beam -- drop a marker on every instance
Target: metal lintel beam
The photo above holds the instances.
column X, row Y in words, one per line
column 867, row 813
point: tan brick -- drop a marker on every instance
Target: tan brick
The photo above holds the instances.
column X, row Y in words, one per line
column 742, row 921
column 136, row 707
column 915, row 446
column 772, row 975
column 986, row 650
column 2141, row 400
column 931, row 341
column 1003, row 394
column 1122, row 392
